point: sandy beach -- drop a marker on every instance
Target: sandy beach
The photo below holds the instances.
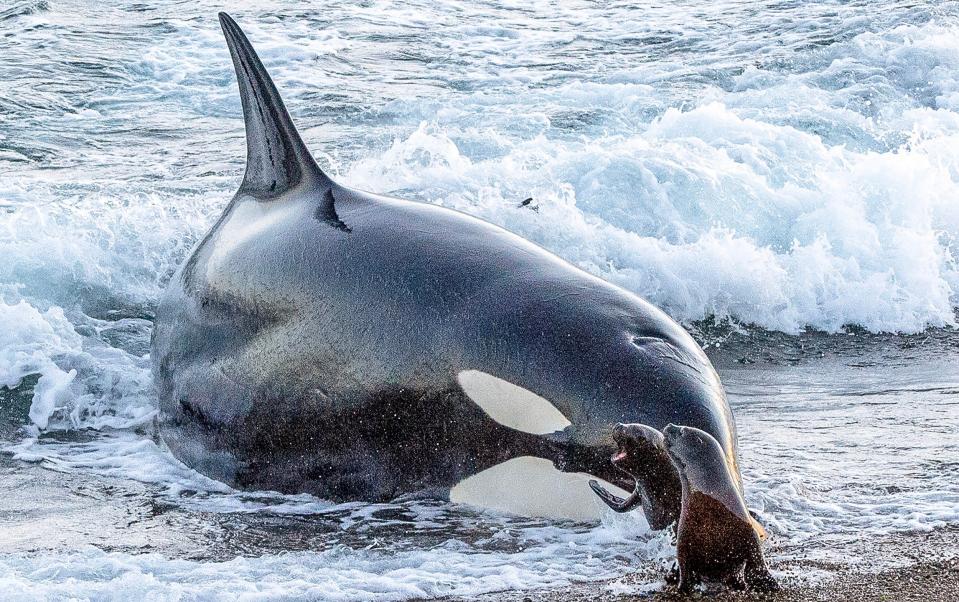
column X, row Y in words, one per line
column 924, row 574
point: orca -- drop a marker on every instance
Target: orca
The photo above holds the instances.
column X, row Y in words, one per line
column 354, row 346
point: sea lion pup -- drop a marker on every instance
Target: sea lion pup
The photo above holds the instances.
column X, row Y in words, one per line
column 642, row 455
column 717, row 538
column 686, row 477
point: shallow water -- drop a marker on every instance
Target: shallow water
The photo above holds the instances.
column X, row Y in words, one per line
column 776, row 164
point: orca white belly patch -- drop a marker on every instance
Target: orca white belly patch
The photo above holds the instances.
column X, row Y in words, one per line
column 531, row 486
column 511, row 405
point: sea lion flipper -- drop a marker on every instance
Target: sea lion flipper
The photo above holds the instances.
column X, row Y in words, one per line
column 615, row 502
column 277, row 160
column 756, row 573
column 757, row 526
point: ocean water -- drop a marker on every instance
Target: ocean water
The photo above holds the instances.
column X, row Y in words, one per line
column 782, row 177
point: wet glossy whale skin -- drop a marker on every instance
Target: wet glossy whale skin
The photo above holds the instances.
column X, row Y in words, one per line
column 313, row 340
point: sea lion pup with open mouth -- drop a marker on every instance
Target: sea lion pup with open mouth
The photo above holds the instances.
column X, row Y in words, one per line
column 642, row 455
column 716, row 537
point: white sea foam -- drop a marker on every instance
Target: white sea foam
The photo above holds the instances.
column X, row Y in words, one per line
column 707, row 212
column 786, row 168
column 815, row 193
column 449, row 570
column 383, row 565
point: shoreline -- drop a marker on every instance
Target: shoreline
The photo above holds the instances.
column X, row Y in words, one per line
column 931, row 574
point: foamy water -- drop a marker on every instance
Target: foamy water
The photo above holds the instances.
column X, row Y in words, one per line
column 782, row 165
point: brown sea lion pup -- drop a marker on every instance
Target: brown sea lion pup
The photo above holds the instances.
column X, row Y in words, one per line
column 642, row 455
column 717, row 539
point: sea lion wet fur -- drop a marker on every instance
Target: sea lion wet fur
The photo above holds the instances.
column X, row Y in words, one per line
column 716, row 539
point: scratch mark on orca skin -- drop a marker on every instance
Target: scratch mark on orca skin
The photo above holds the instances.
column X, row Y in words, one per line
column 663, row 349
column 326, row 212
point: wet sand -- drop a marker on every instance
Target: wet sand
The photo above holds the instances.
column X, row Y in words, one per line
column 927, row 571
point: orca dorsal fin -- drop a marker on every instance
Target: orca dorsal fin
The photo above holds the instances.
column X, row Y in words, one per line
column 276, row 158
